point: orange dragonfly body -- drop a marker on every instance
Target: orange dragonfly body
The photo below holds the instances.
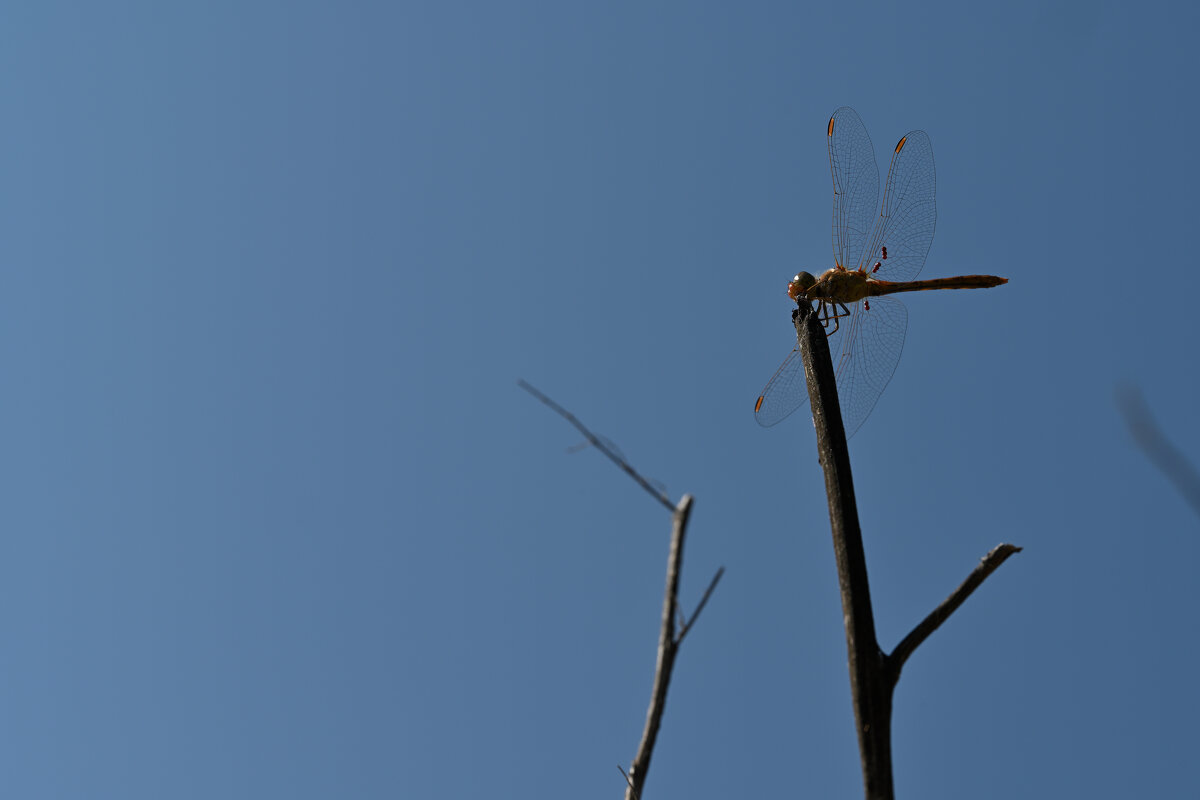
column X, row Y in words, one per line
column 873, row 336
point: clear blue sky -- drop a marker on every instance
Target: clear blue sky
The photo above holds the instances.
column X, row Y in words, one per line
column 278, row 523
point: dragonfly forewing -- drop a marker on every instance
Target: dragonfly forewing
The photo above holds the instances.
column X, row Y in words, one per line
column 855, row 185
column 908, row 215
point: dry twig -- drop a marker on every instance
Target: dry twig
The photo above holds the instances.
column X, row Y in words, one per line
column 668, row 640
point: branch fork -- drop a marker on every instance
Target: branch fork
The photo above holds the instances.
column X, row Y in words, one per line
column 873, row 673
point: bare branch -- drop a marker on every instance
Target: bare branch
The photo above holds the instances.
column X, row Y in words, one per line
column 672, row 615
column 987, row 565
column 1157, row 447
column 668, row 646
column 870, row 688
column 600, row 445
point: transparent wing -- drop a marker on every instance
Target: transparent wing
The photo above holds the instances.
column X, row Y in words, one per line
column 855, row 185
column 785, row 392
column 868, row 358
column 909, row 213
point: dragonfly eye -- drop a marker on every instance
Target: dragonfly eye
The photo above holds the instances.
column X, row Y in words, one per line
column 800, row 284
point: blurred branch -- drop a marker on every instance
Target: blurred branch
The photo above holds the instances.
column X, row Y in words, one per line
column 600, row 445
column 1157, row 447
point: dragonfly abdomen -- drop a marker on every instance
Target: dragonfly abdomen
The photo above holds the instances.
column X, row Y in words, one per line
column 875, row 288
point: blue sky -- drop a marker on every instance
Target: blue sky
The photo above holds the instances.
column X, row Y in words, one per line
column 278, row 522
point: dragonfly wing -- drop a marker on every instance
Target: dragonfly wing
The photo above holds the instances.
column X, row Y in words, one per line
column 909, row 213
column 868, row 358
column 855, row 185
column 786, row 391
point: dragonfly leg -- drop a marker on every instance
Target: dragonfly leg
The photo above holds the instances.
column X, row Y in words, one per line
column 835, row 316
column 823, row 309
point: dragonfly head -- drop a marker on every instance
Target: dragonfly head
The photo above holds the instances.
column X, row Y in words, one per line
column 799, row 285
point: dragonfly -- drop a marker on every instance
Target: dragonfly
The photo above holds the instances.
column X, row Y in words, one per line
column 871, row 261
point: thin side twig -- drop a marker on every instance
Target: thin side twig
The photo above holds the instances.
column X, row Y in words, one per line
column 987, row 565
column 687, row 626
column 628, row 782
column 596, row 442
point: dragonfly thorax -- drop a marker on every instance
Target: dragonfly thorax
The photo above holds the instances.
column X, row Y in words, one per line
column 839, row 285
